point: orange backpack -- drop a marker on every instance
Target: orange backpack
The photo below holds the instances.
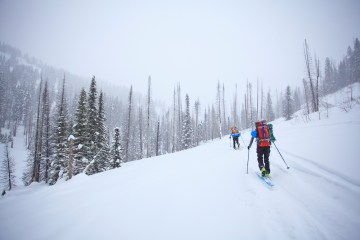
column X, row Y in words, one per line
column 263, row 133
column 234, row 130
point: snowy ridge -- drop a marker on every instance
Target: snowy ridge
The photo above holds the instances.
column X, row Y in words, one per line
column 205, row 193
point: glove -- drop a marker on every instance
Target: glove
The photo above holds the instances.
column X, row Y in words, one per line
column 248, row 147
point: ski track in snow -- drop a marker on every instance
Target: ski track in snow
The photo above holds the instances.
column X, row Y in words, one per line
column 205, row 193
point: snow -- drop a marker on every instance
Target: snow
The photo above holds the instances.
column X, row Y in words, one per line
column 205, row 193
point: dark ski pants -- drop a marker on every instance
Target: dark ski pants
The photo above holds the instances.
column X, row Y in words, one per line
column 236, row 140
column 263, row 154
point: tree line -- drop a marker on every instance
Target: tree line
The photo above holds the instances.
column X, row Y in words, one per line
column 71, row 130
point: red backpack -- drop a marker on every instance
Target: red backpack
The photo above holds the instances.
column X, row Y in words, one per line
column 263, row 133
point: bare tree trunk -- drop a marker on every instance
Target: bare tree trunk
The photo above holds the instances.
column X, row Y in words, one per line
column 70, row 167
column 218, row 100
column 174, row 125
column 148, row 127
column 127, row 139
column 140, row 131
column 157, row 138
column 36, row 168
column 309, row 72
column 317, row 67
column 306, row 97
column 179, row 133
column 223, row 103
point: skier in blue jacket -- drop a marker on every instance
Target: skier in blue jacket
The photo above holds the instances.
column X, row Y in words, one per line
column 235, row 134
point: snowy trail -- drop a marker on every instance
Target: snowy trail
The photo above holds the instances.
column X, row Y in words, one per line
column 201, row 193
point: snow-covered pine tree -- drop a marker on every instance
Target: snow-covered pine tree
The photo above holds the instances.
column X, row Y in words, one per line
column 28, row 118
column 3, row 85
column 329, row 77
column 225, row 122
column 218, row 108
column 141, row 142
column 116, row 150
column 288, row 104
column 92, row 119
column 173, row 122
column 148, row 121
column 166, row 133
column 38, row 135
column 187, row 128
column 297, row 100
column 196, row 129
column 100, row 162
column 8, row 168
column 102, row 130
column 46, row 141
column 59, row 166
column 355, row 67
column 269, row 111
column 179, row 120
column 81, row 134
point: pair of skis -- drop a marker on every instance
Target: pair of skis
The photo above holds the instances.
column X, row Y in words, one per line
column 266, row 180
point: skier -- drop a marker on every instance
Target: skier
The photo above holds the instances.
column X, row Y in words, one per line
column 264, row 137
column 235, row 134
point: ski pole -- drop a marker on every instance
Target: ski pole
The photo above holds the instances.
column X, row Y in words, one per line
column 247, row 165
column 242, row 139
column 281, row 155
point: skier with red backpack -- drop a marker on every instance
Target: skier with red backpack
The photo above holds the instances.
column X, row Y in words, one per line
column 264, row 136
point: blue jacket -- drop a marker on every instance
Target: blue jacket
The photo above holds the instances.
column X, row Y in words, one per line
column 236, row 135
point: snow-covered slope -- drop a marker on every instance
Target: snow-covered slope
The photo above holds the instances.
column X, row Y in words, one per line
column 205, row 193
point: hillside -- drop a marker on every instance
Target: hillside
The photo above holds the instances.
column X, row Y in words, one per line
column 205, row 193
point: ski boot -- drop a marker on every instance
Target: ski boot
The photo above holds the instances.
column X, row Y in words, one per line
column 263, row 172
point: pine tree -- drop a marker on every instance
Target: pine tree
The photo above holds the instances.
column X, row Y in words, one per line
column 81, row 134
column 8, row 168
column 3, row 85
column 116, row 150
column 288, row 104
column 47, row 150
column 148, row 120
column 93, row 119
column 197, row 130
column 297, row 101
column 140, row 134
column 59, row 166
column 38, row 136
column 187, row 128
column 270, row 115
column 355, row 68
column 235, row 117
column 100, row 162
column 218, row 106
column 329, row 78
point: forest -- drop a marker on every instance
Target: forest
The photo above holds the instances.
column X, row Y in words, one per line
column 74, row 125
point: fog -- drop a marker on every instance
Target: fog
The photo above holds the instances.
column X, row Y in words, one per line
column 194, row 43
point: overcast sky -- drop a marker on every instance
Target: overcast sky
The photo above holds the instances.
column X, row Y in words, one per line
column 194, row 42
